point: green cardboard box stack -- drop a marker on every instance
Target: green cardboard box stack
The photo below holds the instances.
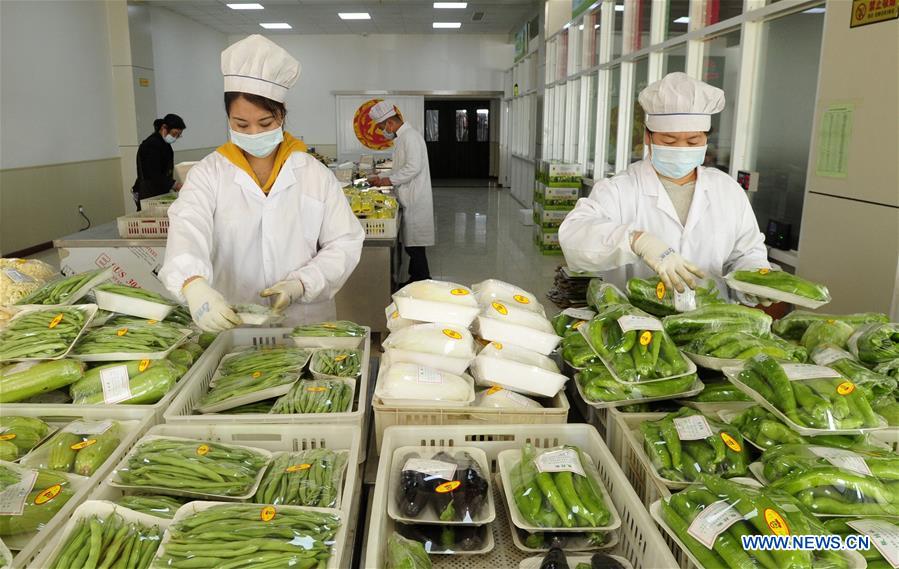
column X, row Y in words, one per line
column 556, row 192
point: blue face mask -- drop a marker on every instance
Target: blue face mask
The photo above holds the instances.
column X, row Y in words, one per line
column 676, row 162
column 169, row 138
column 259, row 145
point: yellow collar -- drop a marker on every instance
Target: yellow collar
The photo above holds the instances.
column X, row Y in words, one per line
column 236, row 156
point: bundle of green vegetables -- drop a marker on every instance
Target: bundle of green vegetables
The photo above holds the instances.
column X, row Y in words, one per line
column 108, row 542
column 315, row 396
column 247, row 535
column 129, row 337
column 601, row 294
column 744, row 345
column 577, row 352
column 148, row 382
column 336, row 329
column 875, row 344
column 21, row 382
column 809, row 396
column 835, row 481
column 599, row 385
column 44, row 333
column 720, row 392
column 760, row 513
column 229, row 390
column 793, row 325
column 62, row 291
column 81, row 447
column 404, row 553
column 135, row 292
column 39, row 501
column 879, row 555
column 250, row 371
column 716, row 318
column 686, row 443
column 782, row 281
column 192, row 467
column 566, row 499
column 152, row 504
column 18, row 435
column 337, row 363
column 305, row 478
column 654, row 297
column 765, row 430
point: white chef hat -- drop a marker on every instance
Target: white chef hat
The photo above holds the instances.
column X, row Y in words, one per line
column 381, row 112
column 679, row 103
column 259, row 66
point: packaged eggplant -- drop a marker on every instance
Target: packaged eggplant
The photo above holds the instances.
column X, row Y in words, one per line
column 449, row 539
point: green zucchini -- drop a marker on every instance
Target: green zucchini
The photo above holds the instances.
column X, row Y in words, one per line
column 91, row 457
column 40, row 378
column 62, row 455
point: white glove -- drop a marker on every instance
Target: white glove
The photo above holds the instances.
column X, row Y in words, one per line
column 208, row 307
column 675, row 271
column 285, row 293
column 752, row 300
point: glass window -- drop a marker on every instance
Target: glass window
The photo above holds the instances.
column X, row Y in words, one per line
column 674, row 59
column 572, row 108
column 461, row 125
column 721, row 68
column 786, row 86
column 641, row 24
column 562, row 53
column 719, row 10
column 597, row 17
column 591, row 40
column 591, row 118
column 432, row 125
column 612, row 135
column 574, row 48
column 641, row 79
column 678, row 19
column 483, row 125
column 618, row 34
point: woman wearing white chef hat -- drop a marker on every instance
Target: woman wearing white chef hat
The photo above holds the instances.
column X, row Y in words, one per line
column 682, row 220
column 259, row 216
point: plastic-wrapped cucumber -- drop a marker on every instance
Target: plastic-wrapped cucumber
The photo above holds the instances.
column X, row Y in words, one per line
column 19, row 435
column 81, row 447
column 40, row 501
column 148, row 382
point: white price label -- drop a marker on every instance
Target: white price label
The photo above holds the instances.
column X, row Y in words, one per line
column 115, row 384
column 841, row 458
column 692, row 428
column 799, row 372
column 88, row 427
column 630, row 322
column 431, row 468
column 579, row 313
column 884, row 536
column 563, row 460
column 429, row 375
column 685, row 301
column 18, row 277
column 12, row 499
column 827, row 356
column 713, row 521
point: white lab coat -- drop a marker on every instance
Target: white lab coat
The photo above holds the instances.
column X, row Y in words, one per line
column 411, row 176
column 721, row 234
column 224, row 228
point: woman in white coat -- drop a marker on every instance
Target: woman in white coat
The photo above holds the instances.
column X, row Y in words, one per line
column 683, row 221
column 259, row 216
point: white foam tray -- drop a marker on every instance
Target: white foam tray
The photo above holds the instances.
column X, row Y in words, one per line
column 521, row 336
column 773, row 294
column 432, row 311
column 131, row 306
column 515, row 376
column 430, row 403
column 696, row 388
column 455, row 366
column 123, row 356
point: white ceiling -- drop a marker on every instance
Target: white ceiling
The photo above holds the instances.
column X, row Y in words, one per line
column 387, row 16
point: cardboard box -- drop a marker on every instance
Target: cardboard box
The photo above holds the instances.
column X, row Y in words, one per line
column 550, row 217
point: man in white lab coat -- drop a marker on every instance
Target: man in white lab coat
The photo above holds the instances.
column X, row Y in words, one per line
column 411, row 176
column 666, row 214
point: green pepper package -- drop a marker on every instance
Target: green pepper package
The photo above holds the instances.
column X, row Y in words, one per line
column 720, row 392
column 872, row 383
column 711, row 518
column 890, row 368
column 600, row 388
column 18, row 435
column 793, row 325
column 634, row 345
column 875, row 344
column 81, row 447
column 654, row 297
column 686, row 443
column 742, row 346
column 833, row 481
column 779, row 285
column 555, row 488
column 832, row 332
column 714, row 319
column 405, row 553
column 761, row 428
column 569, row 320
column 576, row 351
column 307, row 478
column 601, row 294
column 36, row 495
column 883, row 534
column 811, row 399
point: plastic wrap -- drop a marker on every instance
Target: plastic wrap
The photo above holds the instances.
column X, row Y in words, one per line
column 569, row 320
column 306, row 478
column 134, row 382
column 18, row 435
column 327, row 395
column 337, row 363
column 779, row 285
column 720, row 392
column 123, row 340
column 426, row 386
column 831, row 332
column 67, row 290
column 332, row 329
column 598, row 385
column 883, row 533
column 109, row 540
column 439, row 339
column 450, row 540
column 875, row 343
column 517, row 369
column 152, row 504
column 44, row 333
column 492, row 290
column 21, row 277
column 836, row 482
column 394, row 322
column 436, row 301
column 601, row 294
column 686, row 443
column 503, row 323
column 405, row 553
column 715, row 318
column 793, row 325
column 34, row 495
column 577, row 352
column 890, row 368
column 500, row 398
column 654, row 297
column 872, row 383
column 735, row 346
column 81, row 447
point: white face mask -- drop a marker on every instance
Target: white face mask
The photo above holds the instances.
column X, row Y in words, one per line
column 389, row 135
column 676, row 162
column 169, row 138
column 259, row 145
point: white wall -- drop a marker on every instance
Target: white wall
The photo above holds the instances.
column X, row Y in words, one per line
column 56, row 94
column 186, row 61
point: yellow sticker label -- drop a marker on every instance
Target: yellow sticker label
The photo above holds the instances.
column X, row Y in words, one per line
column 316, row 389
column 329, row 326
column 7, row 437
column 452, row 334
column 776, row 523
column 340, row 358
column 459, row 292
column 56, row 320
column 151, row 322
column 447, row 486
column 501, row 308
column 645, row 338
column 297, row 467
column 395, row 315
column 143, row 365
column 731, row 442
column 121, row 331
column 845, row 388
column 494, row 389
column 47, row 494
column 202, row 450
column 267, row 514
column 577, row 324
column 83, row 444
column 660, row 290
column 497, row 345
column 764, row 271
column 521, row 299
column 831, row 321
column 256, row 374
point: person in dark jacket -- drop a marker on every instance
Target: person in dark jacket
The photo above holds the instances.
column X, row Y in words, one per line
column 156, row 160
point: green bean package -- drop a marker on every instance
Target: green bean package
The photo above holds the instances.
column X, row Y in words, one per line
column 67, row 290
column 556, row 489
column 80, row 447
column 152, row 504
column 189, row 467
column 147, row 339
column 710, row 519
column 684, row 444
column 103, row 536
column 714, row 318
column 227, row 536
column 306, row 478
column 336, row 329
column 39, row 494
column 811, row 399
column 316, row 396
column 884, row 551
column 280, row 359
column 133, row 301
column 654, row 297
column 599, row 388
column 337, row 363
column 44, row 333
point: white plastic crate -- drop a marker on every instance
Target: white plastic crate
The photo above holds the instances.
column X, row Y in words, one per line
column 640, row 540
column 143, row 226
column 158, row 206
column 380, row 228
column 181, row 409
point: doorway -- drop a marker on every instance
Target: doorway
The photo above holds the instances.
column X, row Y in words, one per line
column 457, row 134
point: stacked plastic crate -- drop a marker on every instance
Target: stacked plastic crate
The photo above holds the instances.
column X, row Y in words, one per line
column 555, row 194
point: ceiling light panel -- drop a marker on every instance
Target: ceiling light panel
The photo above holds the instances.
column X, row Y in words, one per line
column 276, row 26
column 354, row 15
column 446, row 25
